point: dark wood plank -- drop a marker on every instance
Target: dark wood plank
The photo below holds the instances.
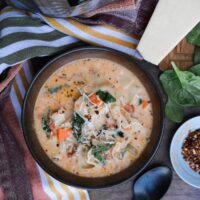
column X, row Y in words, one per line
column 182, row 54
column 181, row 191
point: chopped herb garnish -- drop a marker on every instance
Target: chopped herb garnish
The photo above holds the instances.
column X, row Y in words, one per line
column 77, row 123
column 99, row 157
column 120, row 133
column 99, row 149
column 139, row 101
column 45, row 124
column 54, row 89
column 105, row 96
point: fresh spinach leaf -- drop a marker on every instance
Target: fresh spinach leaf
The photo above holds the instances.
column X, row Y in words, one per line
column 190, row 86
column 197, row 56
column 194, row 36
column 77, row 123
column 99, row 149
column 174, row 111
column 182, row 89
column 195, row 69
column 54, row 89
column 45, row 124
column 172, row 87
column 105, row 96
column 168, row 80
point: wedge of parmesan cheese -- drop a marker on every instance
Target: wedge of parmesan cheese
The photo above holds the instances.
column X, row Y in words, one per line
column 169, row 24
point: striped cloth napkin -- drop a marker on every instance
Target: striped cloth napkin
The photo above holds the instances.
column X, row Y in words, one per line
column 25, row 35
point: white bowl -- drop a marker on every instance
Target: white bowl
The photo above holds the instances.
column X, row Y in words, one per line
column 180, row 165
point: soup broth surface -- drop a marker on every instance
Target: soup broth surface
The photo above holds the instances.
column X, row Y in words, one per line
column 93, row 117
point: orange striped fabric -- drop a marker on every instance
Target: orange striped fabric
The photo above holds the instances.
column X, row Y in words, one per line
column 53, row 188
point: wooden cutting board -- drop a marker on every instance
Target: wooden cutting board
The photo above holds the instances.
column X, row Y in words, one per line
column 182, row 54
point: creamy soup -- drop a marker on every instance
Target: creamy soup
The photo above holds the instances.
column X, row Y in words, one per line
column 93, row 117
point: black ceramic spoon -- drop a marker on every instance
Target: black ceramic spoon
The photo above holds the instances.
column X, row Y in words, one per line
column 153, row 184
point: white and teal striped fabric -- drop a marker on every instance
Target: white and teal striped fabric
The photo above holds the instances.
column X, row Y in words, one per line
column 25, row 35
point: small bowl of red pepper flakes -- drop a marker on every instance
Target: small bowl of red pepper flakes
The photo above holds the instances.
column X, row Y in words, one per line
column 185, row 152
column 191, row 150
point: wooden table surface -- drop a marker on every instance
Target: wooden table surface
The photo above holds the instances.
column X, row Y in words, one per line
column 178, row 189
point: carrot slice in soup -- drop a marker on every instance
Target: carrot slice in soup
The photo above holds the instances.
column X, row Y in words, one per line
column 144, row 104
column 95, row 100
column 127, row 129
column 63, row 133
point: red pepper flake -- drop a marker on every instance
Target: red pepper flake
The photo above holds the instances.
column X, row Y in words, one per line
column 191, row 150
column 96, row 111
column 72, row 151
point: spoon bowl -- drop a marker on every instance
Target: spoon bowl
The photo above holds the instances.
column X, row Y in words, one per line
column 153, row 184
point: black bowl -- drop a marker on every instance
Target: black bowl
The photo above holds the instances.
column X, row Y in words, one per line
column 39, row 154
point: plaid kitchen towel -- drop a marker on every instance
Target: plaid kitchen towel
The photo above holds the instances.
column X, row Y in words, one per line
column 130, row 16
column 60, row 8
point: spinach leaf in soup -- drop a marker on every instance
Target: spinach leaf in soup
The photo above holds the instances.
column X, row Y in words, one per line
column 77, row 123
column 55, row 89
column 45, row 121
column 120, row 134
column 139, row 101
column 105, row 96
column 99, row 157
column 98, row 150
